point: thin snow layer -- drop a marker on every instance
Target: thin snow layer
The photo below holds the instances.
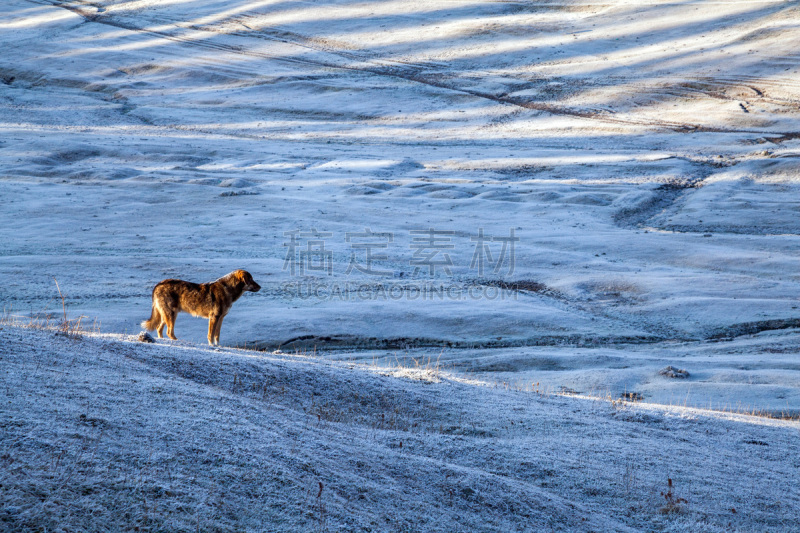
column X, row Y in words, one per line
column 103, row 433
column 644, row 154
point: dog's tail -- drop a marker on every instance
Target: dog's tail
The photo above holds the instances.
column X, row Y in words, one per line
column 155, row 317
column 154, row 320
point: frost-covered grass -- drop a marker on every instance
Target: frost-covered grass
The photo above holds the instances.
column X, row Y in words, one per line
column 103, row 433
column 645, row 155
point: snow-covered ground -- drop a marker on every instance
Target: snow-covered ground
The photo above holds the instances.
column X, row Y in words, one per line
column 102, row 433
column 645, row 155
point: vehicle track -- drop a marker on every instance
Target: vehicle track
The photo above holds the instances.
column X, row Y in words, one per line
column 409, row 71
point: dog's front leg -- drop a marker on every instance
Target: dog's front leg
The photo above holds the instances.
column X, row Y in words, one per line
column 219, row 327
column 212, row 328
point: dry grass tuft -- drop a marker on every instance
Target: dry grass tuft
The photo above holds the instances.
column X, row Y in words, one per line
column 44, row 320
column 673, row 504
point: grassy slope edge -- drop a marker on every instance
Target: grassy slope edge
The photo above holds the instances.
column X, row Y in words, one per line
column 100, row 432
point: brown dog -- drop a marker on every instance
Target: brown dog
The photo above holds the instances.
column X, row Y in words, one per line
column 208, row 300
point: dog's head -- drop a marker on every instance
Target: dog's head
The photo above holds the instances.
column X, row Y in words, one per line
column 244, row 277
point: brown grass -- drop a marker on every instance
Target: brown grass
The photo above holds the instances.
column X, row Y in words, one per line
column 44, row 320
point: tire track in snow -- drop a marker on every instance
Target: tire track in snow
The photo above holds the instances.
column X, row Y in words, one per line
column 408, row 71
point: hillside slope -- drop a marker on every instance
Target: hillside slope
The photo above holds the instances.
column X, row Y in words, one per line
column 103, row 433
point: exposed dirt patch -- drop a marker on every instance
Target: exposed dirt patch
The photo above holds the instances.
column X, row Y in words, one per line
column 751, row 328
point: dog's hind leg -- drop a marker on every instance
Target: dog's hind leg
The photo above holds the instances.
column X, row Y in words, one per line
column 168, row 316
column 159, row 321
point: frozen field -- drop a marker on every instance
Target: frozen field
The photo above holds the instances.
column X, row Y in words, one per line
column 645, row 156
column 368, row 162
